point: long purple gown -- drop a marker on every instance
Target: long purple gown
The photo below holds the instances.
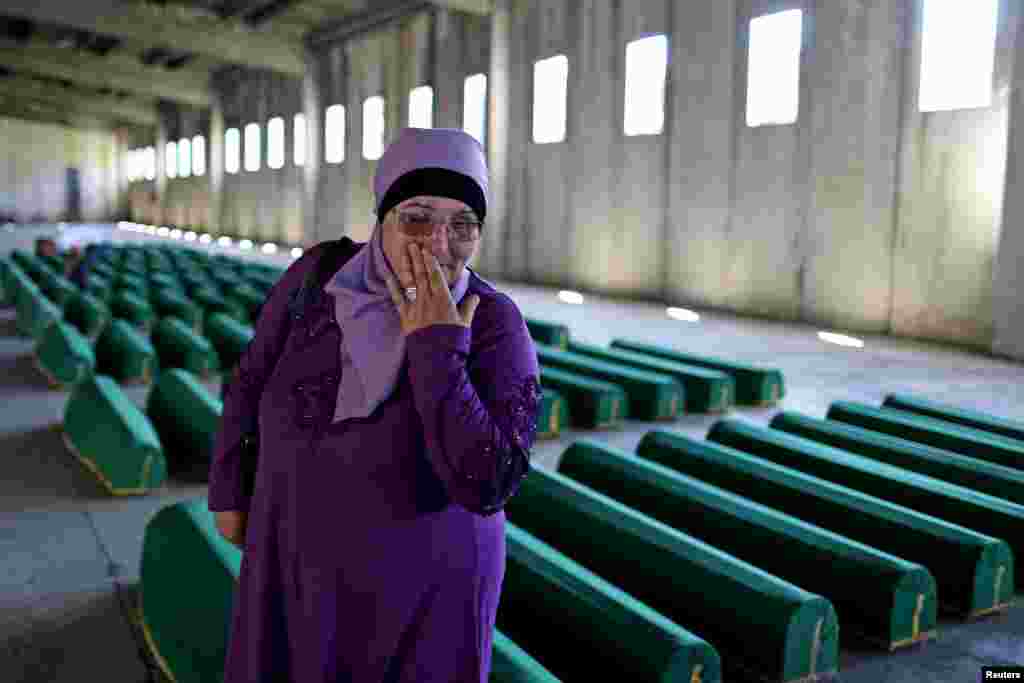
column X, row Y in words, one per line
column 375, row 549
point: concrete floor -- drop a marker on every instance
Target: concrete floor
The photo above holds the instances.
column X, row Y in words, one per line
column 71, row 553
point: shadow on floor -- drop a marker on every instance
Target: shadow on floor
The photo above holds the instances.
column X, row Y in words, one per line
column 39, row 468
column 19, row 373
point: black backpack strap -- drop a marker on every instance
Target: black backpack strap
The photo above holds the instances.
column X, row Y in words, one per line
column 335, row 253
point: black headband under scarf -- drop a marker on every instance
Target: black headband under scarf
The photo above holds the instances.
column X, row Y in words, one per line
column 435, row 182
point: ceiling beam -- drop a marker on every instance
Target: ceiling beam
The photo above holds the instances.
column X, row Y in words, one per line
column 170, row 25
column 117, row 72
column 355, row 23
column 23, row 88
column 481, row 7
column 42, row 114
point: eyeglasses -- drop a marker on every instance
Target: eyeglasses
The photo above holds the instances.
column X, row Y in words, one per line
column 461, row 228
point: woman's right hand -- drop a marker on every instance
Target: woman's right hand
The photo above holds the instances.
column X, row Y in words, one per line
column 231, row 525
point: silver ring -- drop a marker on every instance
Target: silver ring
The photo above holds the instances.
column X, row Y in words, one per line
column 410, row 293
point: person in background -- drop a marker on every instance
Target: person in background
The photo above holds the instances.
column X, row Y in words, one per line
column 395, row 418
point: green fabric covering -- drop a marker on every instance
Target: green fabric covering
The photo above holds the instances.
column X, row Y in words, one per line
column 552, row 412
column 706, row 390
column 178, row 346
column 211, row 301
column 229, row 337
column 165, row 281
column 6, row 293
column 171, row 303
column 87, row 313
column 36, row 313
column 754, row 385
column 125, row 353
column 652, row 395
column 109, row 431
column 59, row 290
column 55, row 263
column 189, row 628
column 546, row 595
column 185, row 415
column 980, row 475
column 945, row 435
column 978, row 511
column 547, row 332
column 65, row 354
column 1013, row 429
column 16, row 283
column 706, row 591
column 591, row 403
column 877, row 594
column 965, row 563
column 512, row 664
column 132, row 308
column 249, row 300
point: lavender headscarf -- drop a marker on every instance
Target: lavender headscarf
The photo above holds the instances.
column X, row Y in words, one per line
column 373, row 347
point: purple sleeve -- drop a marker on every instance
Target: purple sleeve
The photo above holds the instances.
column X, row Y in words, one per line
column 479, row 413
column 241, row 400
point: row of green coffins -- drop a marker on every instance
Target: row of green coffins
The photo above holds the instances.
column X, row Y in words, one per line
column 697, row 526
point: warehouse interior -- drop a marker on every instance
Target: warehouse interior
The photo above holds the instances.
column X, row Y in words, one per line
column 819, row 195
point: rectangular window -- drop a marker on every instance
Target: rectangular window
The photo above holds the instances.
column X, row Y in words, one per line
column 958, row 53
column 773, row 78
column 232, row 147
column 198, row 155
column 150, row 165
column 171, row 160
column 334, row 134
column 373, row 127
column 646, row 67
column 275, row 142
column 252, row 147
column 131, row 163
column 184, row 158
column 299, row 157
column 474, row 107
column 550, row 93
column 421, row 107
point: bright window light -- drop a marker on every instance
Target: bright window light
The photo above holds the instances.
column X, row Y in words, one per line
column 184, row 157
column 373, row 127
column 171, row 159
column 958, row 52
column 773, row 79
column 296, row 252
column 421, row 107
column 334, row 134
column 682, row 314
column 646, row 66
column 150, row 163
column 205, row 238
column 224, row 241
column 275, row 142
column 245, row 244
column 269, row 248
column 550, row 90
column 474, row 107
column 198, row 155
column 190, row 236
column 840, row 339
column 299, row 136
column 131, row 162
column 252, row 147
column 175, row 234
column 570, row 297
column 231, row 149
column 162, row 231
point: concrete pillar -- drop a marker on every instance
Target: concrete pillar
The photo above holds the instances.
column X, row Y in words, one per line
column 313, row 98
column 161, row 173
column 215, row 172
column 492, row 256
column 447, row 50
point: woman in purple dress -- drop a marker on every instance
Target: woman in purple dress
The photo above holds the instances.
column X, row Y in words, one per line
column 395, row 418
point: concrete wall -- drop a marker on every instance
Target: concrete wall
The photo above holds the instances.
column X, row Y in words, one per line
column 33, row 170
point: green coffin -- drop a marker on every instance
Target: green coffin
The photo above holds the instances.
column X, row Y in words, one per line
column 133, row 309
column 546, row 332
column 17, row 284
column 591, row 403
column 881, row 598
column 699, row 587
column 652, row 396
column 945, row 435
column 983, row 513
column 35, row 313
column 125, row 354
column 170, row 303
column 979, row 475
column 974, row 572
column 165, row 281
column 99, row 288
column 754, row 385
column 1013, row 429
column 65, row 355
column 512, row 664
column 108, row 433
column 59, row 290
column 547, row 596
column 87, row 313
column 551, row 415
column 229, row 337
column 211, row 301
column 26, row 261
column 249, row 299
column 6, row 293
column 98, row 269
column 178, row 346
column 187, row 630
column 707, row 391
column 185, row 415
column 131, row 281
